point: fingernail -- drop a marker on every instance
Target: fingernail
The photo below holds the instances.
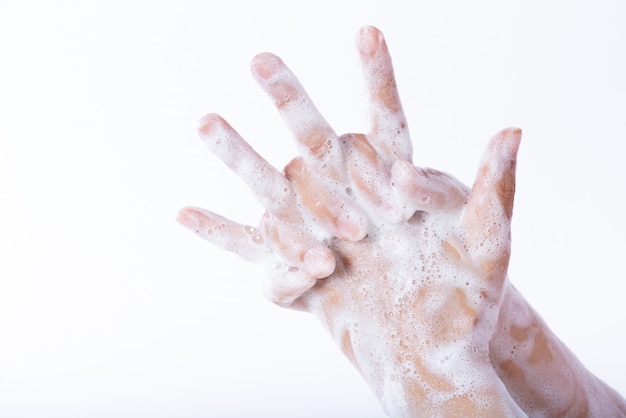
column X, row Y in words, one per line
column 207, row 123
column 370, row 40
column 515, row 131
column 264, row 65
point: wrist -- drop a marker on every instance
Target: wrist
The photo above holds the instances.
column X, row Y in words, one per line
column 540, row 372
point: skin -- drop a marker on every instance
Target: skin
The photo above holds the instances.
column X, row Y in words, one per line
column 406, row 267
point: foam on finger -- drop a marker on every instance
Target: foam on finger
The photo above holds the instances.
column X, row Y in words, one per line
column 283, row 284
column 425, row 189
column 319, row 262
column 315, row 136
column 370, row 178
column 268, row 184
column 388, row 128
column 328, row 201
column 487, row 216
column 243, row 240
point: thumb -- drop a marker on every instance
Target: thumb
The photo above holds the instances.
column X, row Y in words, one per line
column 486, row 220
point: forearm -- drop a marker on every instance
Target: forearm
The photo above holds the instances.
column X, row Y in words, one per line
column 543, row 376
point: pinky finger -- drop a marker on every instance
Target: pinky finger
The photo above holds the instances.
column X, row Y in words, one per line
column 245, row 241
column 283, row 285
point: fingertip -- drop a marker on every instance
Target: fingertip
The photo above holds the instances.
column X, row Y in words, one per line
column 351, row 228
column 189, row 217
column 514, row 131
column 497, row 172
column 369, row 39
column 507, row 142
column 319, row 262
column 402, row 171
column 513, row 136
column 264, row 65
column 294, row 169
column 207, row 124
column 412, row 182
column 516, row 139
column 282, row 286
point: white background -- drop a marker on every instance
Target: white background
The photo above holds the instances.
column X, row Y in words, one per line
column 109, row 309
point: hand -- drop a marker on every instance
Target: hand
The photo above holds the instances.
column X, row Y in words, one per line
column 405, row 266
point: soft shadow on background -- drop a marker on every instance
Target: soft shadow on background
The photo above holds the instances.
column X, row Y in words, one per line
column 109, row 309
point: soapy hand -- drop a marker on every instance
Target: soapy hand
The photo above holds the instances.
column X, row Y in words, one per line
column 405, row 266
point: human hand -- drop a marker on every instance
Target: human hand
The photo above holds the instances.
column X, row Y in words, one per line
column 405, row 266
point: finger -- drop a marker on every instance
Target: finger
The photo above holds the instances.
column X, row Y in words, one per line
column 371, row 177
column 283, row 285
column 333, row 211
column 425, row 189
column 301, row 116
column 487, row 217
column 297, row 248
column 245, row 241
column 271, row 188
column 388, row 128
column 302, row 262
